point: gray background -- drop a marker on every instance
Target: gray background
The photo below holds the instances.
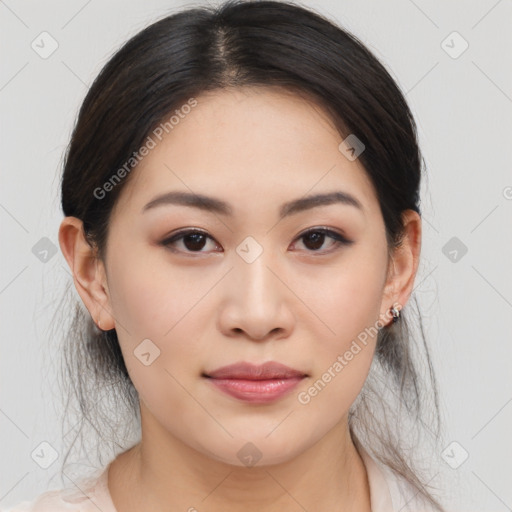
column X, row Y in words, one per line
column 463, row 106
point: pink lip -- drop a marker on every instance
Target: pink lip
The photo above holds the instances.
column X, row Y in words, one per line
column 256, row 383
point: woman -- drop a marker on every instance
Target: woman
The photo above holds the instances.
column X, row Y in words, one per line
column 241, row 201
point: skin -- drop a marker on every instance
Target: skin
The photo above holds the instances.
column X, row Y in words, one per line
column 254, row 149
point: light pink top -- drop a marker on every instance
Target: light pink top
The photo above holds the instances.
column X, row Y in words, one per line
column 385, row 494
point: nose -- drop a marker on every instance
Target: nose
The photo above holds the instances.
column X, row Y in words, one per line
column 255, row 302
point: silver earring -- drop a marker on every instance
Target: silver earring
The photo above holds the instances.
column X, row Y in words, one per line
column 395, row 311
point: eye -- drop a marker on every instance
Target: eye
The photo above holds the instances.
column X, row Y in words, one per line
column 192, row 240
column 315, row 238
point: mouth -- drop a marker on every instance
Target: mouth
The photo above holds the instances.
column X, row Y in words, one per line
column 255, row 383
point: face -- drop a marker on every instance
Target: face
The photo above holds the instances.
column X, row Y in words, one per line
column 302, row 287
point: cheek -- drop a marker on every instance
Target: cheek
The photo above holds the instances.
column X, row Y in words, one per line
column 153, row 300
column 348, row 304
column 343, row 354
column 150, row 296
column 151, row 304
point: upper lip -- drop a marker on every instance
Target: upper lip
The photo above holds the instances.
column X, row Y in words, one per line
column 249, row 371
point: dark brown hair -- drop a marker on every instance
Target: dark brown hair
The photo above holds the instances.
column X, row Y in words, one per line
column 249, row 43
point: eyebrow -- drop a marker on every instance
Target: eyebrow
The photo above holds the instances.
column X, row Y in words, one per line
column 214, row 205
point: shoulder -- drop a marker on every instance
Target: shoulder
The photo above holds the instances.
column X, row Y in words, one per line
column 89, row 494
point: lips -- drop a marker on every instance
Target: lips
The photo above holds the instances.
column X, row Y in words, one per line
column 255, row 384
column 248, row 371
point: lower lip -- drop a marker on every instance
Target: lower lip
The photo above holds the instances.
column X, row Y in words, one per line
column 256, row 391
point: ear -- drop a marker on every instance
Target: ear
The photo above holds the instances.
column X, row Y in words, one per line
column 88, row 272
column 403, row 266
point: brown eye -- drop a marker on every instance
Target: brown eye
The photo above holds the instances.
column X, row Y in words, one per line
column 192, row 241
column 314, row 239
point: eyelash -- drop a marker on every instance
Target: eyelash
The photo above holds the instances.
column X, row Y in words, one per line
column 337, row 237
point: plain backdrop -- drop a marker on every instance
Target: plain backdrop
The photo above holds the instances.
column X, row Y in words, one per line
column 453, row 62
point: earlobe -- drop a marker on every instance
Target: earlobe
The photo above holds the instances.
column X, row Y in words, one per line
column 87, row 270
column 403, row 264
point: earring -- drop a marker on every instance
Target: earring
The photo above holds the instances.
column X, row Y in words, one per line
column 395, row 311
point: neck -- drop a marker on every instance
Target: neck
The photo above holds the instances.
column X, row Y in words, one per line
column 163, row 473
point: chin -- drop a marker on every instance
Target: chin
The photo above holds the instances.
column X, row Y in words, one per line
column 259, row 452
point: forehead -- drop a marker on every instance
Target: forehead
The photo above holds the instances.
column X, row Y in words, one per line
column 248, row 145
